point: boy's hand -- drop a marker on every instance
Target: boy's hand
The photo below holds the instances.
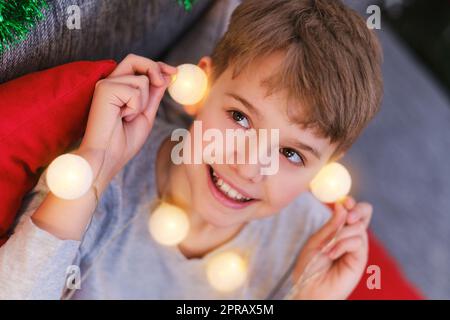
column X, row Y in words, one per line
column 122, row 113
column 333, row 259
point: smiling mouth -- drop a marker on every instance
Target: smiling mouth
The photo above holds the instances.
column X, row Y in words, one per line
column 227, row 190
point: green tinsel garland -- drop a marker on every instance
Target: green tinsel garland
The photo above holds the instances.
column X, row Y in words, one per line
column 17, row 17
column 187, row 4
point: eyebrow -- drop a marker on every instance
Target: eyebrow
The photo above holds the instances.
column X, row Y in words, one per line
column 306, row 147
column 252, row 108
column 246, row 103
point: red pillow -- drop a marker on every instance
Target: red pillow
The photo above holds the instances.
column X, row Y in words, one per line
column 394, row 286
column 41, row 115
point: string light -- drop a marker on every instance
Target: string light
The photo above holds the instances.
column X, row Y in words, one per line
column 69, row 176
column 226, row 271
column 189, row 84
column 168, row 224
column 332, row 183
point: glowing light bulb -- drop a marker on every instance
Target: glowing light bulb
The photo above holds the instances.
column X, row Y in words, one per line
column 69, row 176
column 189, row 84
column 168, row 224
column 332, row 183
column 226, row 271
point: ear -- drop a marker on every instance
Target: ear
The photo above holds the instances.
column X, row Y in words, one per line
column 205, row 63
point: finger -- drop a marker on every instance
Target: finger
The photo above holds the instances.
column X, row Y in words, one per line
column 167, row 68
column 329, row 230
column 349, row 203
column 134, row 64
column 139, row 82
column 347, row 245
column 349, row 231
column 126, row 98
column 107, row 109
column 130, row 102
column 156, row 94
column 339, row 209
column 362, row 211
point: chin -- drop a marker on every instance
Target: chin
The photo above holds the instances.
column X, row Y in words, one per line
column 215, row 215
column 216, row 218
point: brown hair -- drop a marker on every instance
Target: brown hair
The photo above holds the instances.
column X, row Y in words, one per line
column 332, row 62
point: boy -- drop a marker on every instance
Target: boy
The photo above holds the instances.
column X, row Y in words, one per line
column 309, row 69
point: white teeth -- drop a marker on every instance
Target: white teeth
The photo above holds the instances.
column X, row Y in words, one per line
column 227, row 189
column 232, row 194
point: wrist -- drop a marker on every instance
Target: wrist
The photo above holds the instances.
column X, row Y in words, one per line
column 95, row 158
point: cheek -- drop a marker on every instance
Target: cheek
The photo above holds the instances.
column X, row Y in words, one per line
column 212, row 117
column 215, row 124
column 284, row 187
column 193, row 173
column 210, row 114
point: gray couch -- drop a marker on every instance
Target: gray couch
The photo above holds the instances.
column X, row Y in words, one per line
column 110, row 29
column 400, row 163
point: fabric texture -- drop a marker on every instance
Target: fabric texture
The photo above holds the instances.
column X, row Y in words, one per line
column 401, row 165
column 394, row 286
column 110, row 29
column 393, row 283
column 119, row 259
column 41, row 115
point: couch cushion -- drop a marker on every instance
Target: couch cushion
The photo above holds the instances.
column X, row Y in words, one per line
column 110, row 29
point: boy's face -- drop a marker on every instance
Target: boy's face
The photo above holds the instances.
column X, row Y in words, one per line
column 225, row 108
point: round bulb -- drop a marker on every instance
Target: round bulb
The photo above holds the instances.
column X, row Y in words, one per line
column 189, row 85
column 69, row 176
column 168, row 224
column 226, row 271
column 332, row 183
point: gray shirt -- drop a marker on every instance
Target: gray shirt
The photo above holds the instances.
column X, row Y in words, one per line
column 118, row 259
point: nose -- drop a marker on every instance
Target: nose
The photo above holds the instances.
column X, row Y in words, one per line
column 250, row 172
column 246, row 164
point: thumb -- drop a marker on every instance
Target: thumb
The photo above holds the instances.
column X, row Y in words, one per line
column 325, row 234
column 155, row 96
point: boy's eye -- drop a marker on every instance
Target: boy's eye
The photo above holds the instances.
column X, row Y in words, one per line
column 292, row 155
column 240, row 118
